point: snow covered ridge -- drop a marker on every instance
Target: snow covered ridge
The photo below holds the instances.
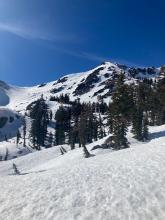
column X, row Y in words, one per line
column 86, row 85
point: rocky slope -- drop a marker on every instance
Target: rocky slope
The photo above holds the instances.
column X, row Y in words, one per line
column 87, row 86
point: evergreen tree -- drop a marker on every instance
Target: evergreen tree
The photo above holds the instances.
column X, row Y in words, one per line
column 50, row 115
column 137, row 124
column 62, row 118
column 39, row 115
column 141, row 107
column 6, row 154
column 119, row 132
column 90, row 118
column 18, row 137
column 95, row 129
column 120, row 108
column 145, row 128
column 50, row 139
column 76, row 110
column 160, row 94
column 82, row 134
column 110, row 118
column 73, row 136
column 101, row 131
column 24, row 131
column 16, row 171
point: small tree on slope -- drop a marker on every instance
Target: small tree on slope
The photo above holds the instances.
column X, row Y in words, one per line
column 24, row 131
column 82, row 134
column 16, row 171
column 18, row 137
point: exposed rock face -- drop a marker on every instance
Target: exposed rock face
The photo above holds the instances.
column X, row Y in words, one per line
column 88, row 83
column 87, row 86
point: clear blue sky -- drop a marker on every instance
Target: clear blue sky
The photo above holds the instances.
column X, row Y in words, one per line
column 41, row 40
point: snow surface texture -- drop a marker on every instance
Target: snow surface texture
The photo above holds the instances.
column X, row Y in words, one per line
column 118, row 185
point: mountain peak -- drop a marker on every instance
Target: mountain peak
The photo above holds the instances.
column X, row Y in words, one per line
column 88, row 86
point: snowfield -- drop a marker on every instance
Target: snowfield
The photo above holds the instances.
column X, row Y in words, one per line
column 118, row 185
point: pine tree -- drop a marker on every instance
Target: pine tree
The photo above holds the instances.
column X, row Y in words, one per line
column 137, row 123
column 119, row 132
column 145, row 128
column 6, row 154
column 89, row 123
column 82, row 134
column 50, row 139
column 73, row 136
column 39, row 115
column 110, row 118
column 76, row 110
column 50, row 115
column 24, row 131
column 160, row 94
column 62, row 129
column 141, row 107
column 16, row 171
column 6, row 139
column 101, row 132
column 95, row 129
column 120, row 108
column 60, row 134
column 18, row 137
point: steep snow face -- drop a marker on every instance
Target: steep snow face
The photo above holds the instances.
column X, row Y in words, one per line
column 87, row 86
column 119, row 185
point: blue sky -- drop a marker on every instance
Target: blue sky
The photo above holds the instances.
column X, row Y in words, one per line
column 41, row 40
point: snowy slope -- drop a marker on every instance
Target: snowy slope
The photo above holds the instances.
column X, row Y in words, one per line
column 121, row 185
column 86, row 85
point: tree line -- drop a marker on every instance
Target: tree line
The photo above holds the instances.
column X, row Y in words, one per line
column 133, row 105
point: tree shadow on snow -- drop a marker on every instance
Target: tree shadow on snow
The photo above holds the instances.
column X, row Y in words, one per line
column 23, row 174
column 156, row 135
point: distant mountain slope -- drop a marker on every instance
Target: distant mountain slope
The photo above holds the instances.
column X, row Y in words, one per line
column 86, row 85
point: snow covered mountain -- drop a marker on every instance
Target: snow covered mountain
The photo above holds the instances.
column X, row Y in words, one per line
column 86, row 85
column 119, row 185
